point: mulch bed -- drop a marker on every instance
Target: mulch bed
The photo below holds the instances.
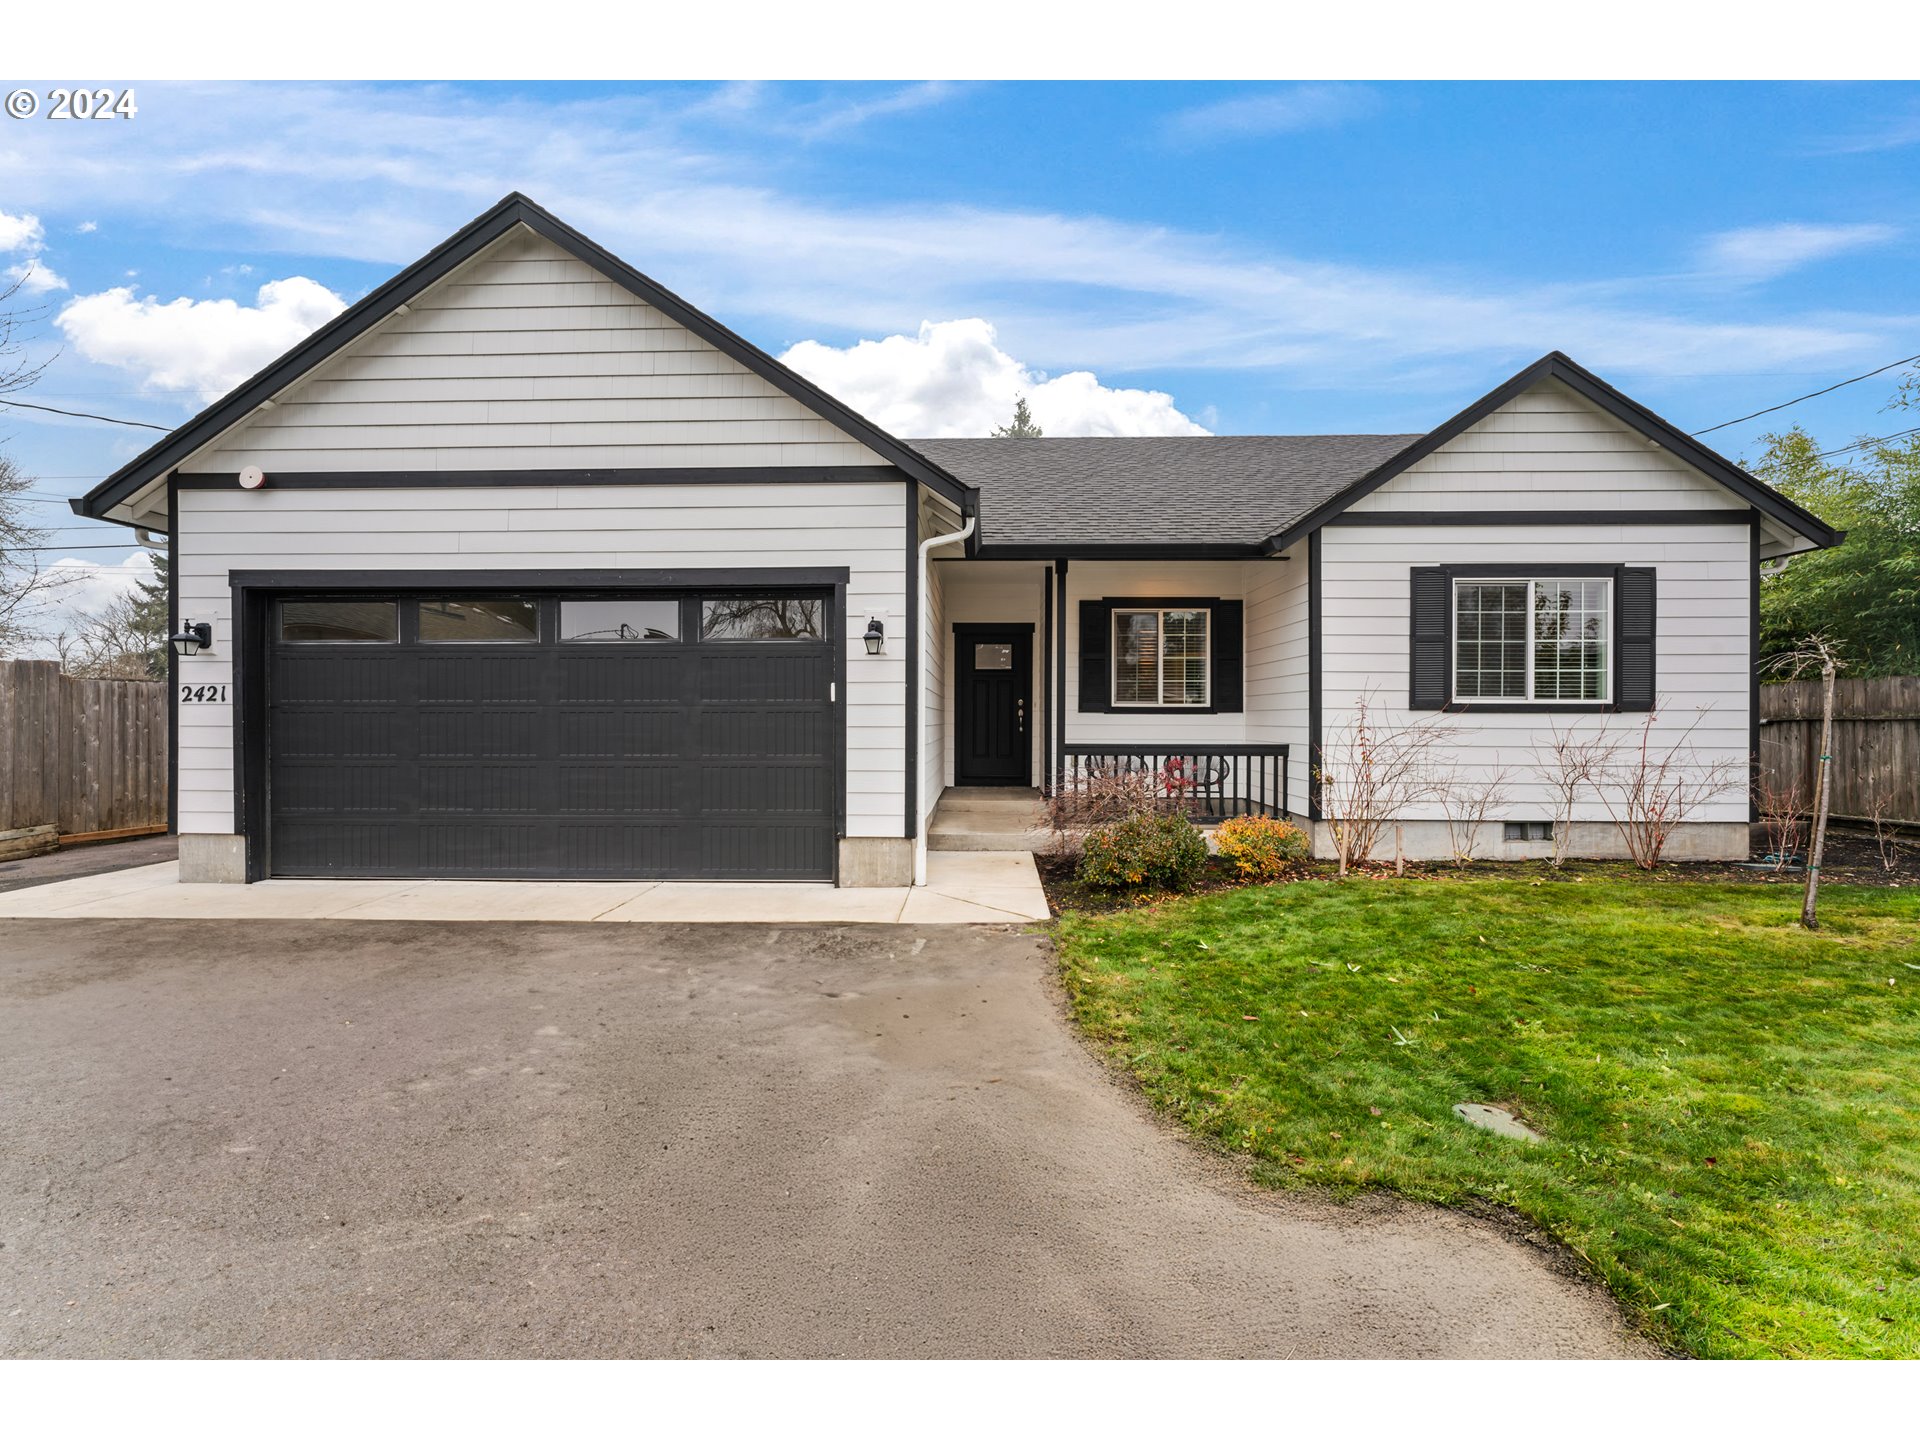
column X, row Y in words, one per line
column 1851, row 859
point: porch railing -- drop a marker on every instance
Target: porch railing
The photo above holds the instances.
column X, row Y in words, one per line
column 1211, row 782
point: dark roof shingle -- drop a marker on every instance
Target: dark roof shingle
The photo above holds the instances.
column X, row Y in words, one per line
column 1154, row 490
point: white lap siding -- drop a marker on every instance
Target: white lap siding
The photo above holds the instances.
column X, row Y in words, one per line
column 1703, row 574
column 1548, row 449
column 528, row 359
column 1278, row 664
column 507, row 529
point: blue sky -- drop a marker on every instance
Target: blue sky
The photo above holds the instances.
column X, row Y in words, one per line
column 1242, row 258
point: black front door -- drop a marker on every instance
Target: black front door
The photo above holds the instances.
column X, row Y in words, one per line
column 993, row 706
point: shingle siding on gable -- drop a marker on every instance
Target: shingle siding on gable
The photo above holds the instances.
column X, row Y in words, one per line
column 1549, row 449
column 526, row 358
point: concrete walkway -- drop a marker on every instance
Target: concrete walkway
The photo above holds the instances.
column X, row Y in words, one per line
column 961, row 889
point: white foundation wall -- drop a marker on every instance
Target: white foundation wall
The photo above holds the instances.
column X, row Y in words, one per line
column 1278, row 664
column 510, row 528
column 1703, row 575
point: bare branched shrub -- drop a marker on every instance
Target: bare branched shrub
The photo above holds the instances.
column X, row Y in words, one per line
column 1369, row 776
column 1569, row 764
column 1783, row 816
column 1467, row 799
column 1886, row 826
column 1101, row 794
column 1649, row 791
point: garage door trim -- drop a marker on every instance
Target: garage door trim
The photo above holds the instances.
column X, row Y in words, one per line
column 254, row 592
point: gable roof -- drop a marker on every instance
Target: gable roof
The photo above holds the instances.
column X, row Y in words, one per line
column 1193, row 495
column 1556, row 366
column 468, row 241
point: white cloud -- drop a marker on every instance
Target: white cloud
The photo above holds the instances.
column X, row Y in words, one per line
column 25, row 236
column 1762, row 252
column 954, row 379
column 1273, row 112
column 86, row 227
column 204, row 345
column 91, row 585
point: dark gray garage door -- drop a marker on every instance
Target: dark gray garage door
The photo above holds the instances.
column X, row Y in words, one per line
column 577, row 736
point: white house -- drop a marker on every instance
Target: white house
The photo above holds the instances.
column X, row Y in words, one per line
column 523, row 566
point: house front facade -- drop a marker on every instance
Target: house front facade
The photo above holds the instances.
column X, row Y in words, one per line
column 525, row 567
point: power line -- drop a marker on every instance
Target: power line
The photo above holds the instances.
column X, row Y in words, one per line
column 1810, row 395
column 84, row 415
column 1862, row 444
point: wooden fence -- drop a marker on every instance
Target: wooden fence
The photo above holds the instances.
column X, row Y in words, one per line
column 1876, row 742
column 85, row 756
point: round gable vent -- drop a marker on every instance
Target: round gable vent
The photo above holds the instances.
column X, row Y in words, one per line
column 252, row 478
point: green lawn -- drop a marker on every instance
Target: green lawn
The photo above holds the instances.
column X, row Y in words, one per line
column 1732, row 1104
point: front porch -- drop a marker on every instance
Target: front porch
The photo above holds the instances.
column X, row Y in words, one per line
column 1185, row 678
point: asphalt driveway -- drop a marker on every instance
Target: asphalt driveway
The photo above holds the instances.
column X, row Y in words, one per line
column 369, row 1139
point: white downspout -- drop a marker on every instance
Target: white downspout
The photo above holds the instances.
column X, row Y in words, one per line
column 920, row 710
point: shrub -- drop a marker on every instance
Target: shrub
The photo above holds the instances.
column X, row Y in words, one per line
column 1145, row 852
column 1099, row 797
column 1261, row 847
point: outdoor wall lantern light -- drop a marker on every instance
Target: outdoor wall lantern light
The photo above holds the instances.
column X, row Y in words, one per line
column 193, row 638
column 876, row 636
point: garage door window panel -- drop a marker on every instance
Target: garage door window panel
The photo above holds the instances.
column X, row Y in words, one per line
column 339, row 622
column 762, row 617
column 619, row 622
column 479, row 622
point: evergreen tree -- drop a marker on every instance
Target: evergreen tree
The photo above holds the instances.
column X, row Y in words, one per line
column 1022, row 427
column 150, row 614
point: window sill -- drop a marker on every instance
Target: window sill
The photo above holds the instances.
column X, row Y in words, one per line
column 1530, row 707
column 1111, row 709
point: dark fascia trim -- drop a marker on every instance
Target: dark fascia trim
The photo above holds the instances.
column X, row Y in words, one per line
column 823, row 577
column 1426, row 518
column 442, row 260
column 969, row 627
column 1315, row 663
column 1127, row 551
column 1583, row 382
column 466, row 479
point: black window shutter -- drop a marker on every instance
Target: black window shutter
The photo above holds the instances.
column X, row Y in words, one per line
column 1228, row 647
column 1634, row 605
column 1096, row 642
column 1431, row 600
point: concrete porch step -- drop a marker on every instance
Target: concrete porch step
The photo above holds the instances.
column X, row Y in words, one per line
column 989, row 818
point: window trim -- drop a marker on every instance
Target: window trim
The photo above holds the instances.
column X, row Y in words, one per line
column 1204, row 704
column 1531, row 699
column 1592, row 571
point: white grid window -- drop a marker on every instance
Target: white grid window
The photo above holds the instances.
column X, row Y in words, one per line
column 1160, row 657
column 1531, row 639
